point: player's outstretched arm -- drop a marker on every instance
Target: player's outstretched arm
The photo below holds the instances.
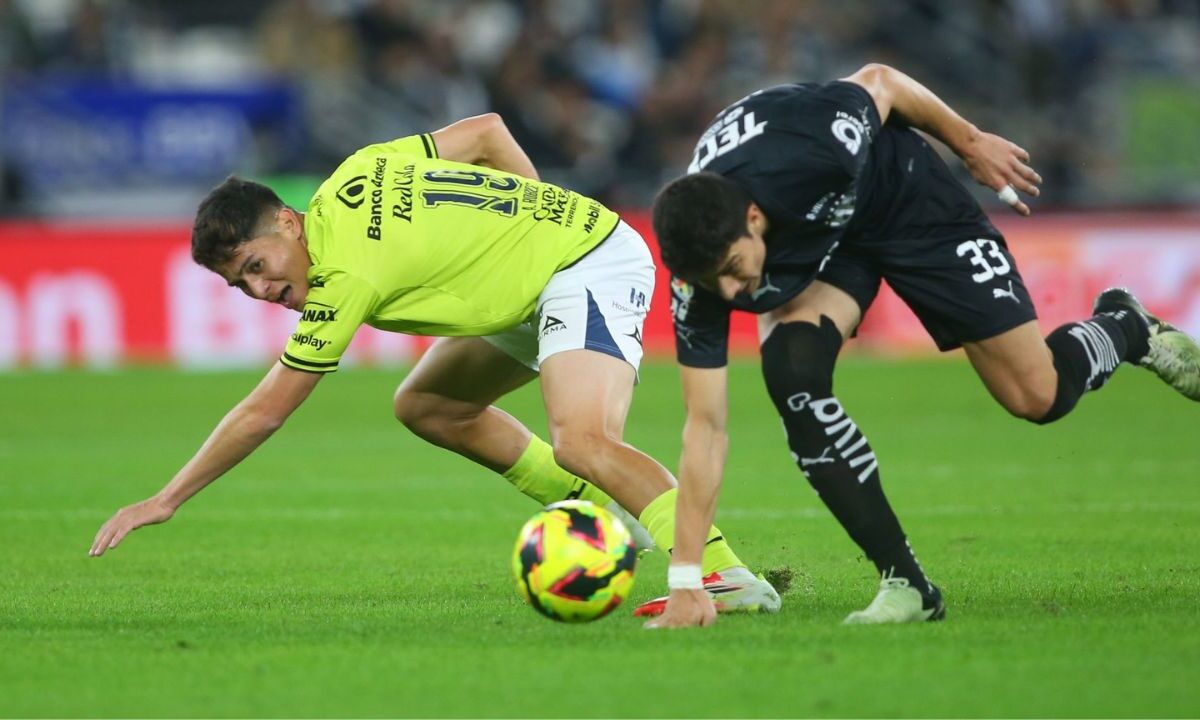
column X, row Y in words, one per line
column 993, row 161
column 701, row 467
column 246, row 427
column 484, row 140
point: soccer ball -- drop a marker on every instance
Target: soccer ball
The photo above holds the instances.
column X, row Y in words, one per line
column 574, row 561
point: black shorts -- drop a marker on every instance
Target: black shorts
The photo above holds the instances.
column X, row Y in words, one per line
column 963, row 287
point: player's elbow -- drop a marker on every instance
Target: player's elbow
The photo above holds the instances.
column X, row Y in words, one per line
column 875, row 71
column 880, row 81
column 875, row 76
column 268, row 423
column 489, row 132
column 260, row 420
column 490, row 123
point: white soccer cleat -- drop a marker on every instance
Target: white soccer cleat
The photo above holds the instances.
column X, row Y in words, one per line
column 731, row 590
column 641, row 538
column 899, row 602
column 1173, row 355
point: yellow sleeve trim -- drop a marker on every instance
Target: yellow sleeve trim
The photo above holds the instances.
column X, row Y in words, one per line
column 308, row 365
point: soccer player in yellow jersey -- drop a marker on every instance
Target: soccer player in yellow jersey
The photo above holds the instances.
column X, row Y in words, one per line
column 451, row 234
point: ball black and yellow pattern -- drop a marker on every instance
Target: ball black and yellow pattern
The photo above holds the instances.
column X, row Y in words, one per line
column 574, row 561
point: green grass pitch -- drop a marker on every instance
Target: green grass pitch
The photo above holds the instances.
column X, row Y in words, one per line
column 348, row 569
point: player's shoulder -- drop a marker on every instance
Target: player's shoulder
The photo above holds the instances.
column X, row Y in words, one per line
column 376, row 157
column 687, row 298
column 420, row 145
column 335, row 290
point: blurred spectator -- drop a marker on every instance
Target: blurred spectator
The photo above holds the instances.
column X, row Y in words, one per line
column 19, row 56
column 19, row 51
column 609, row 96
column 91, row 41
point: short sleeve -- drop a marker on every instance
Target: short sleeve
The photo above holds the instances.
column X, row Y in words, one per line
column 336, row 305
column 418, row 145
column 701, row 321
column 844, row 115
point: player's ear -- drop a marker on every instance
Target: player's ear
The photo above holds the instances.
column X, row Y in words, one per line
column 756, row 220
column 290, row 224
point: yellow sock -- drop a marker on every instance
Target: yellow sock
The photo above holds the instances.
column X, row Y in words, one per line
column 538, row 476
column 659, row 520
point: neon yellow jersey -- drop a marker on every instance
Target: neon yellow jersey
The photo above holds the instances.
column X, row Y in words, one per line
column 404, row 241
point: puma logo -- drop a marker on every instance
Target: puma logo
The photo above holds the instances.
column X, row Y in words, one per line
column 805, row 462
column 998, row 293
column 765, row 288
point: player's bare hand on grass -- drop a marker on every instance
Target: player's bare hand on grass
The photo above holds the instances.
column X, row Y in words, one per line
column 147, row 512
column 999, row 164
column 686, row 608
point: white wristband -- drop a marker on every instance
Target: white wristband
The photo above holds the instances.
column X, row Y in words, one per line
column 684, row 577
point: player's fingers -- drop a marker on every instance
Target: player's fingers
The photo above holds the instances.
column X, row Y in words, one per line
column 100, row 542
column 1029, row 173
column 118, row 536
column 1020, row 152
column 1026, row 187
column 1008, row 194
column 1025, row 179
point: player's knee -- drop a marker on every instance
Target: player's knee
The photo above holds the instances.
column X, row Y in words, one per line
column 410, row 409
column 423, row 414
column 798, row 359
column 581, row 450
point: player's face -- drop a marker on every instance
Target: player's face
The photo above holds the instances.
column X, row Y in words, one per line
column 741, row 270
column 273, row 266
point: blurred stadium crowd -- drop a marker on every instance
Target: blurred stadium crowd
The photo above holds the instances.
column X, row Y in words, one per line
column 607, row 97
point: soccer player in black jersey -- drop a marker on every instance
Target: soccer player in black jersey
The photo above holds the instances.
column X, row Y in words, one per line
column 799, row 201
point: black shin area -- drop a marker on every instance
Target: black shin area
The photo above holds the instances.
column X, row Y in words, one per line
column 798, row 360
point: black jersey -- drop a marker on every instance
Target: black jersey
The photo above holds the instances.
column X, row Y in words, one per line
column 825, row 172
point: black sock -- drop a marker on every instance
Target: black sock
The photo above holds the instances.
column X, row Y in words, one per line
column 1087, row 353
column 798, row 360
column 855, row 497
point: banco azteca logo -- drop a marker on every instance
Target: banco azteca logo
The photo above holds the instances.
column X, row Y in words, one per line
column 353, row 192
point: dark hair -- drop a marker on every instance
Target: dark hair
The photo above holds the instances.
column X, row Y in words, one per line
column 696, row 218
column 228, row 217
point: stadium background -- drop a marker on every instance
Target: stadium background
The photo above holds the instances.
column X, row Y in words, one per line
column 117, row 115
column 350, row 569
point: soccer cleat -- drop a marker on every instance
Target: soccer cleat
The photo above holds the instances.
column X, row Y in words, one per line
column 899, row 602
column 641, row 538
column 1174, row 356
column 731, row 590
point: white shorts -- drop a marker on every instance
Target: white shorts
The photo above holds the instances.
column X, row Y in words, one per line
column 599, row 303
